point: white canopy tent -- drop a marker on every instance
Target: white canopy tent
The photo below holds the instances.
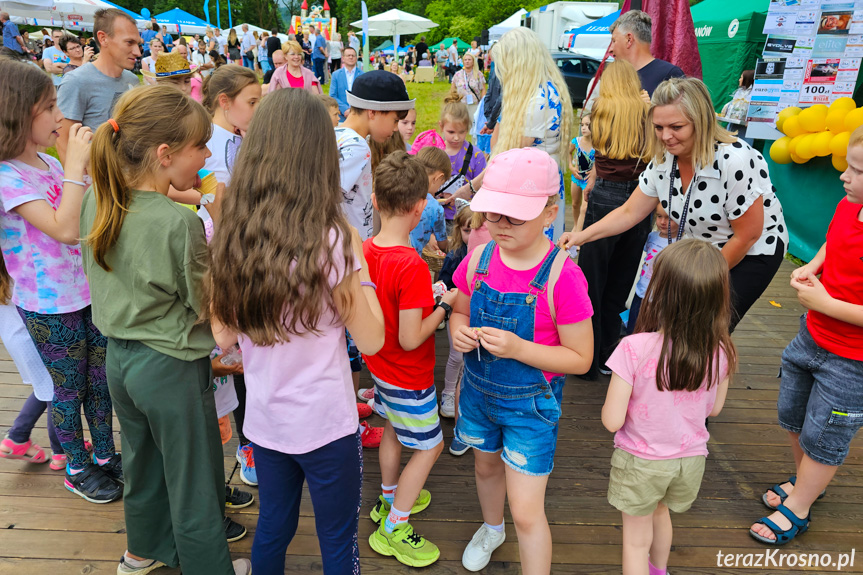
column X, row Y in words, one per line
column 71, row 14
column 498, row 30
column 239, row 29
column 395, row 23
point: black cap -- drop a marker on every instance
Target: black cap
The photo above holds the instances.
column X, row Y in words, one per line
column 381, row 91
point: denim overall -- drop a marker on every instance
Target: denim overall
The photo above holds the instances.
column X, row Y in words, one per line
column 505, row 404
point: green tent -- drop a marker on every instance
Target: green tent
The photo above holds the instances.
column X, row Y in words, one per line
column 447, row 42
column 730, row 39
column 388, row 45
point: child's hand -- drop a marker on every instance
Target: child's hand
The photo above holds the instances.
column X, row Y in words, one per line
column 804, row 270
column 221, row 370
column 449, row 297
column 78, row 151
column 501, row 343
column 214, row 208
column 811, row 292
column 465, row 339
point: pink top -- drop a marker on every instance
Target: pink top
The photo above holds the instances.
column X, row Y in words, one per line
column 195, row 94
column 281, row 79
column 300, row 395
column 478, row 237
column 571, row 302
column 660, row 424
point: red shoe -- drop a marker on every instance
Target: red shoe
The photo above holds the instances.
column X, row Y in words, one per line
column 371, row 436
column 364, row 410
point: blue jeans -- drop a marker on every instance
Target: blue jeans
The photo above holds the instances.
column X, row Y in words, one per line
column 820, row 398
column 334, row 473
column 265, row 65
column 507, row 406
column 319, row 68
column 248, row 62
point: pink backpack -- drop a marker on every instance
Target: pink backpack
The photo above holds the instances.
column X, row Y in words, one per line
column 425, row 139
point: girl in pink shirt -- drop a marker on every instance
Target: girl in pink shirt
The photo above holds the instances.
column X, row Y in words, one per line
column 660, row 394
column 288, row 275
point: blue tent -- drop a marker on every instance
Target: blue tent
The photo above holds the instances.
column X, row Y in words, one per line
column 124, row 10
column 597, row 26
column 187, row 23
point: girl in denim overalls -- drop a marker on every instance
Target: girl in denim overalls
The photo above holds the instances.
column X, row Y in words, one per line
column 517, row 348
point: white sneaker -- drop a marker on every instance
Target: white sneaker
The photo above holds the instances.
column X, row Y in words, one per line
column 126, row 569
column 478, row 552
column 242, row 566
column 447, row 405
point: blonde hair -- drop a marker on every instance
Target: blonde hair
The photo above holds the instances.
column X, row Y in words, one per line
column 147, row 117
column 523, row 64
column 292, row 46
column 691, row 97
column 454, row 110
column 856, row 138
column 475, row 70
column 617, row 120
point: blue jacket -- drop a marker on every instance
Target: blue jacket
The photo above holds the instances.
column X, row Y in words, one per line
column 339, row 88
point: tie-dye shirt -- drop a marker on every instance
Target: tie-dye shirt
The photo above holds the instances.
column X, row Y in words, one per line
column 48, row 275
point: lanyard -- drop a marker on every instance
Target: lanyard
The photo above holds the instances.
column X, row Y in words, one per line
column 685, row 202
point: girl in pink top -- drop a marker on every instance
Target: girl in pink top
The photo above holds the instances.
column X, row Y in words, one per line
column 288, row 275
column 660, row 394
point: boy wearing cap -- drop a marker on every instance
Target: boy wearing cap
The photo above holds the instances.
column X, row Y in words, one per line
column 522, row 320
column 173, row 69
column 378, row 101
column 403, row 370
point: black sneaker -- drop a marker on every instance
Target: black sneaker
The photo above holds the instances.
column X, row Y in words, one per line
column 94, row 485
column 113, row 468
column 233, row 530
column 236, row 499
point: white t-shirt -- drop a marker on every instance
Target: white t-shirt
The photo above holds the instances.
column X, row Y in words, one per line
column 148, row 64
column 224, row 147
column 335, row 50
column 200, row 60
column 452, row 58
column 354, row 43
column 222, row 42
column 355, row 163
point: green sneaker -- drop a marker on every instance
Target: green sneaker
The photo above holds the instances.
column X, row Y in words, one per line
column 382, row 507
column 409, row 548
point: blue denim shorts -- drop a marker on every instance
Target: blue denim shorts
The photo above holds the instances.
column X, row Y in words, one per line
column 517, row 421
column 820, row 397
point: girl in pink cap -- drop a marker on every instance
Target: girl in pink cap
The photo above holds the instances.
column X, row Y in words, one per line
column 522, row 320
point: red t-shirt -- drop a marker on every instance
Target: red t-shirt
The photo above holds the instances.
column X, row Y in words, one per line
column 296, row 82
column 403, row 282
column 842, row 276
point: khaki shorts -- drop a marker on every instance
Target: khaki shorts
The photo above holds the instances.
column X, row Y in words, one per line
column 637, row 485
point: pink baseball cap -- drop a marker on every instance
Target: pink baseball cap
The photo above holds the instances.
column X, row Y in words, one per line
column 517, row 184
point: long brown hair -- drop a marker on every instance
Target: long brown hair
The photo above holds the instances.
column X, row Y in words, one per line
column 23, row 90
column 617, row 119
column 688, row 300
column 147, row 117
column 272, row 255
column 381, row 150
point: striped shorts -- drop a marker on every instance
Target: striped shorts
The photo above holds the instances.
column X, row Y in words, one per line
column 412, row 413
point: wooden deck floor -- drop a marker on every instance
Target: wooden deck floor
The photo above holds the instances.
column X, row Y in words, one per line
column 45, row 529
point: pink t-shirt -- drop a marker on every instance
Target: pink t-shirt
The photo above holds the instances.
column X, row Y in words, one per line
column 571, row 303
column 299, row 395
column 48, row 275
column 660, row 424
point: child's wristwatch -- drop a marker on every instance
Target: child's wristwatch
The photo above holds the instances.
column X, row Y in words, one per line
column 447, row 309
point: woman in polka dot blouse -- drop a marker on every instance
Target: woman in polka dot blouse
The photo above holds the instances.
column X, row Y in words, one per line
column 715, row 185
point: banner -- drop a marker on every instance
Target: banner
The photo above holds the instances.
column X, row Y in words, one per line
column 366, row 64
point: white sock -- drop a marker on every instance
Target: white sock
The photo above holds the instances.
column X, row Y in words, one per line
column 498, row 528
column 137, row 563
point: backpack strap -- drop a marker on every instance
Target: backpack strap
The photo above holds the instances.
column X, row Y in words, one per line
column 466, row 163
column 553, row 275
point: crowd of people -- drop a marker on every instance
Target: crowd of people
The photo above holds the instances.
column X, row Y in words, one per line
column 178, row 266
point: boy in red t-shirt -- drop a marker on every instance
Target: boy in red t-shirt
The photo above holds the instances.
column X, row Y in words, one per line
column 403, row 370
column 821, row 394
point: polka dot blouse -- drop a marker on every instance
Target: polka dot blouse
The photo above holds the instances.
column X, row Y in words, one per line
column 721, row 193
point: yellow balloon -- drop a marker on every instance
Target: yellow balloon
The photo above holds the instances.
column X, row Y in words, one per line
column 854, row 119
column 785, row 114
column 840, row 163
column 792, row 127
column 846, row 104
column 821, row 144
column 805, row 147
column 792, row 145
column 797, row 159
column 836, row 120
column 839, row 144
column 779, row 152
column 813, row 119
